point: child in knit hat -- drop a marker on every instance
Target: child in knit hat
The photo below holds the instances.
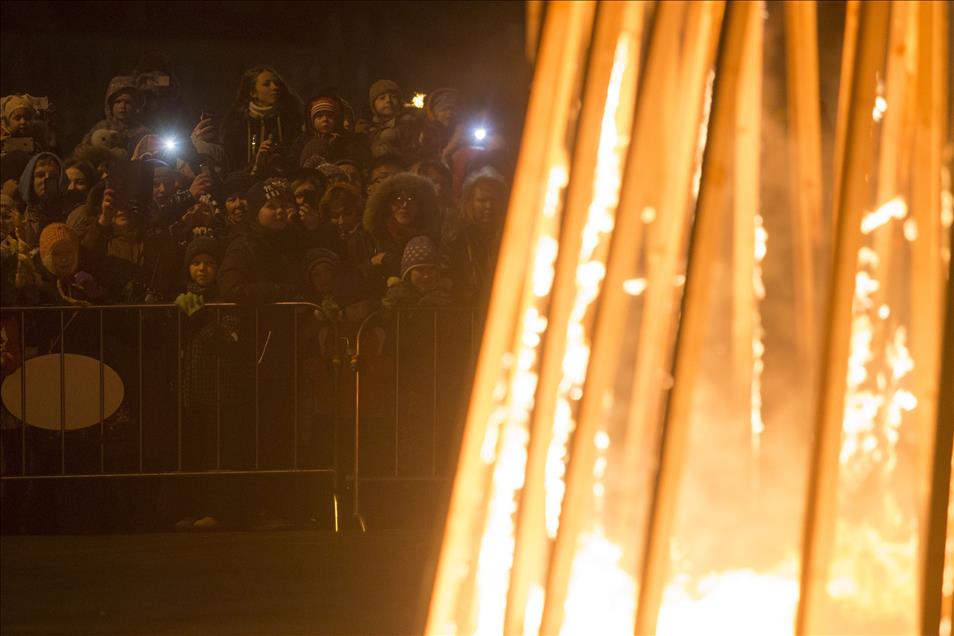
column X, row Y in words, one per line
column 61, row 283
column 391, row 129
column 421, row 283
column 205, row 339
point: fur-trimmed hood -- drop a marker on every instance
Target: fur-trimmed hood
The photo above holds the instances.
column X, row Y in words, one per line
column 378, row 207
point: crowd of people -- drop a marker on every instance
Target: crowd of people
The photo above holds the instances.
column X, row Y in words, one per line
column 400, row 205
column 397, row 205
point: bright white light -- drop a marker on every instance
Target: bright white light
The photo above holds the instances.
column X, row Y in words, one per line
column 480, row 134
column 169, row 143
column 418, row 100
column 881, row 105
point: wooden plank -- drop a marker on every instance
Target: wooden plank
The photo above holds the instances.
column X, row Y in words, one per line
column 821, row 494
column 709, row 219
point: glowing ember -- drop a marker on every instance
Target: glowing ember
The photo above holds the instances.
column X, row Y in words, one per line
column 635, row 286
column 893, row 209
column 881, row 105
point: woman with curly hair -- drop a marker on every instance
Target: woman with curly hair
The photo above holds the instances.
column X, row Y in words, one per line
column 263, row 122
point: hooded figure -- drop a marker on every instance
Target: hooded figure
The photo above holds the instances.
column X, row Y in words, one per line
column 264, row 108
column 122, row 107
column 391, row 129
column 401, row 207
column 42, row 186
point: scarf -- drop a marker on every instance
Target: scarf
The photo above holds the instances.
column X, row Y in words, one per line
column 261, row 112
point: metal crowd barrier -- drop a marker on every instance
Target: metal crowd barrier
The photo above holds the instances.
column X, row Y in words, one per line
column 67, row 333
column 408, row 393
column 409, row 397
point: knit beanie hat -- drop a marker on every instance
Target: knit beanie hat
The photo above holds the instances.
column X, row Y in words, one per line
column 325, row 104
column 13, row 103
column 419, row 251
column 118, row 85
column 381, row 87
column 51, row 236
column 439, row 98
column 265, row 191
column 204, row 244
column 318, row 256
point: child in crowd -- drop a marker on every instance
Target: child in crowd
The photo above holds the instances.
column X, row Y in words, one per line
column 421, row 283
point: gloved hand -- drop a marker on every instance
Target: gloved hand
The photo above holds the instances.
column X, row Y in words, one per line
column 190, row 303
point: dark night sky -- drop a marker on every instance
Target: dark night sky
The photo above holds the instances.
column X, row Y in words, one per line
column 69, row 50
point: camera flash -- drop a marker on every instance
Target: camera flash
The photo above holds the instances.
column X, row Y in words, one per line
column 480, row 134
column 170, row 144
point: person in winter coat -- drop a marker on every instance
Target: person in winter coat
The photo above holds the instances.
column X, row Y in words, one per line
column 20, row 120
column 391, row 129
column 421, row 283
column 136, row 261
column 326, row 137
column 312, row 227
column 260, row 264
column 473, row 239
column 42, row 186
column 81, row 177
column 57, row 265
column 123, row 104
column 439, row 174
column 342, row 205
column 402, row 207
column 262, row 124
column 206, row 339
column 441, row 118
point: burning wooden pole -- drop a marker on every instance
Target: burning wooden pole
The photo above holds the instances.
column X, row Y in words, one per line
column 823, row 471
column 599, row 521
column 747, row 341
column 804, row 144
column 848, row 44
column 464, row 599
column 703, row 247
column 592, row 195
column 935, row 398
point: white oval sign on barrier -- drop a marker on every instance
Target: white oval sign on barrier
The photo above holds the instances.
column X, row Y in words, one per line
column 43, row 391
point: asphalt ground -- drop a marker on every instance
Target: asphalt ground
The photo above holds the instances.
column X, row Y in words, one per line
column 275, row 582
